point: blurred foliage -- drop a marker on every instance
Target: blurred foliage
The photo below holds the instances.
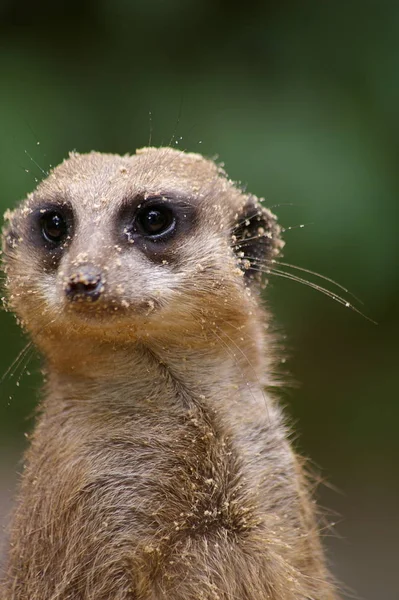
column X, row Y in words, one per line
column 300, row 101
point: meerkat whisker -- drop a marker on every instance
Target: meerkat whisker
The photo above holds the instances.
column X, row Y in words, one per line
column 329, row 279
column 42, row 171
column 315, row 286
column 267, row 264
column 10, row 372
column 259, row 235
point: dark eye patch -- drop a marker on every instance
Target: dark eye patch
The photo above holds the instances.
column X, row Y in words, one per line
column 155, row 223
column 49, row 229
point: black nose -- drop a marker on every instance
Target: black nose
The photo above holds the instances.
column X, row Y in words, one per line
column 85, row 283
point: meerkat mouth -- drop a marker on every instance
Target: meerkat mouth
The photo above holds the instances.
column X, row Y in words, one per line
column 98, row 310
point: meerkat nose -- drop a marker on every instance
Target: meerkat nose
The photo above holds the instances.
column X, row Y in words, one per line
column 86, row 283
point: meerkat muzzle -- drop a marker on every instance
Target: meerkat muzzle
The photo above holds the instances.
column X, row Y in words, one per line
column 85, row 284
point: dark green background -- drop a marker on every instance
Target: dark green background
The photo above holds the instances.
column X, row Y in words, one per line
column 300, row 101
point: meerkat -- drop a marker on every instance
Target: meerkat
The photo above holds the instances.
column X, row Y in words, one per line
column 159, row 467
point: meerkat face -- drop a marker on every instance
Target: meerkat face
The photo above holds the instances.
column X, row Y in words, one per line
column 132, row 245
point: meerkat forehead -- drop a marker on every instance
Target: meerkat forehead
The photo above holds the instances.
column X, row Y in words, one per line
column 104, row 179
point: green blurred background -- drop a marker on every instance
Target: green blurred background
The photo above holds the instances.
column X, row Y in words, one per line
column 300, row 101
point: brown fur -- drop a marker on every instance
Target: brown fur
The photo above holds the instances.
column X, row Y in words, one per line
column 159, row 468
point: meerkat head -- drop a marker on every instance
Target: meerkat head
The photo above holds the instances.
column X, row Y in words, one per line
column 134, row 245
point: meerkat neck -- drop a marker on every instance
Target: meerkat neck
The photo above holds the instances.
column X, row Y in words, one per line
column 99, row 377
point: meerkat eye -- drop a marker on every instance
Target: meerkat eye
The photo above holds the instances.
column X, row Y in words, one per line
column 53, row 226
column 155, row 221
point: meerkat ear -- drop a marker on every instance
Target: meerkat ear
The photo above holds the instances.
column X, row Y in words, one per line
column 256, row 239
